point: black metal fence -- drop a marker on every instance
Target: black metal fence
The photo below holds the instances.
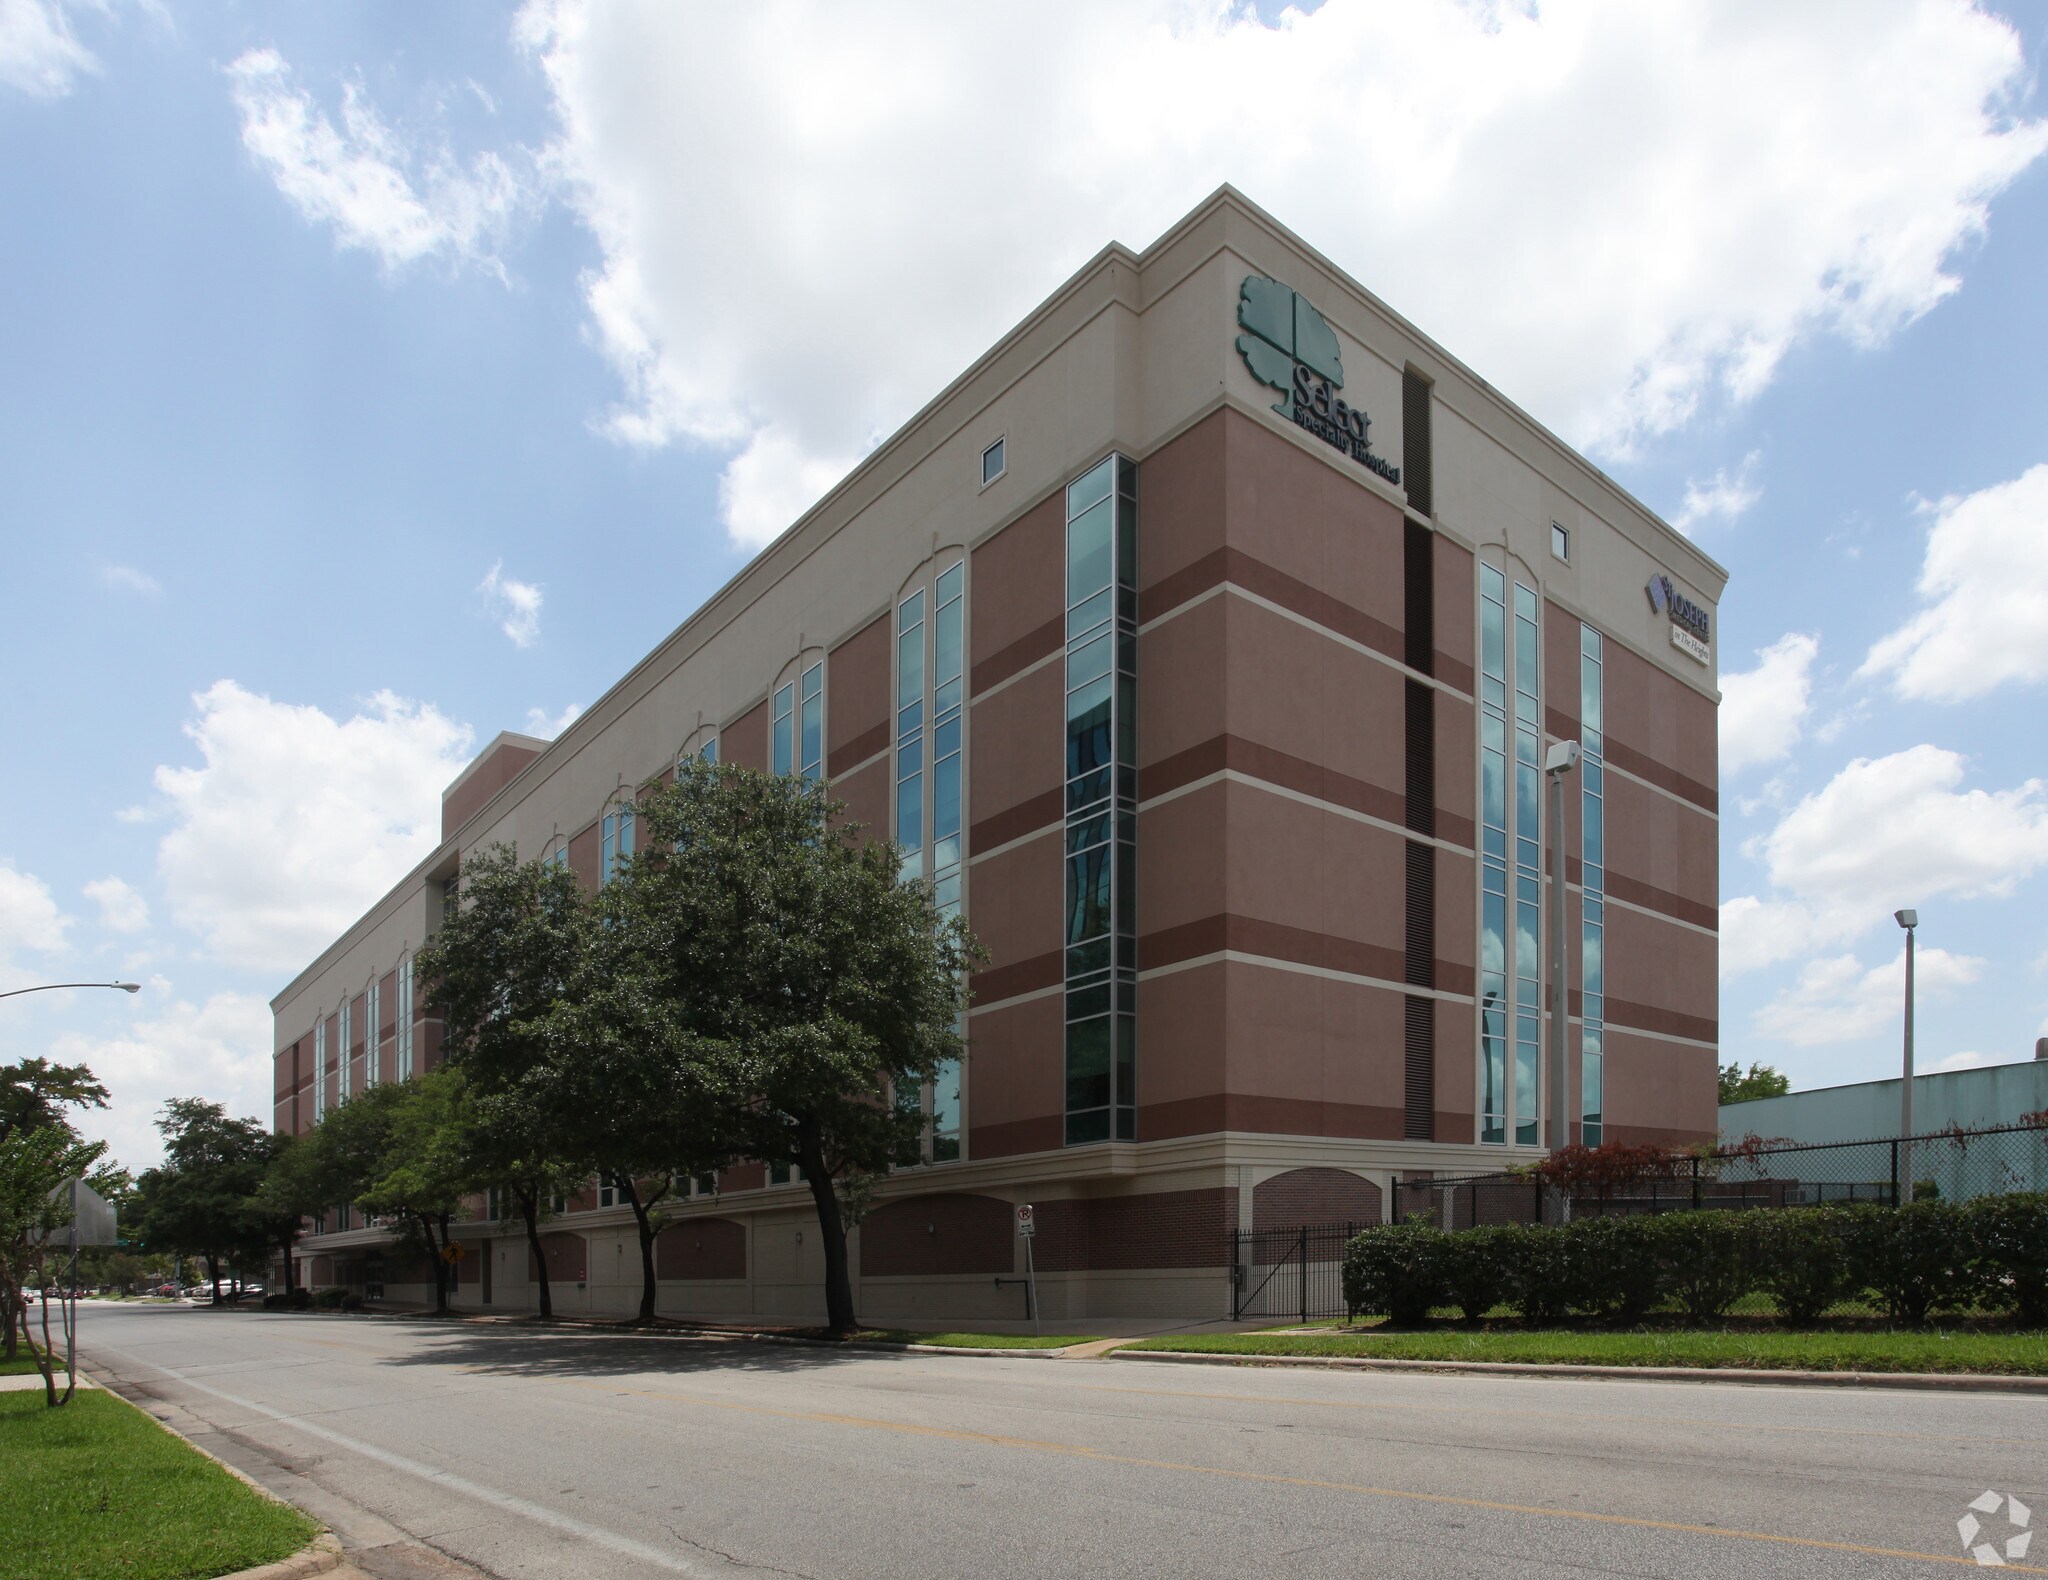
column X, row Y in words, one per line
column 1952, row 1165
column 1296, row 1272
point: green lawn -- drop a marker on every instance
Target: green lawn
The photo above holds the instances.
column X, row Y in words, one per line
column 97, row 1489
column 978, row 1341
column 23, row 1362
column 1868, row 1351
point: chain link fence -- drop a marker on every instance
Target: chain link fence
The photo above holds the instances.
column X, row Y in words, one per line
column 1947, row 1165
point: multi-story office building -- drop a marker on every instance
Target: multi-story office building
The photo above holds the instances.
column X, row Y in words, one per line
column 1203, row 643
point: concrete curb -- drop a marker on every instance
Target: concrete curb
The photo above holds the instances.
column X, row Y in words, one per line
column 317, row 1557
column 1961, row 1382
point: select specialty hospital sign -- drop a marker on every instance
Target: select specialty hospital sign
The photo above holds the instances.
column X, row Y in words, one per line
column 1288, row 345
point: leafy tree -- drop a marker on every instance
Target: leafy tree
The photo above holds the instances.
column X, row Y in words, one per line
column 203, row 1201
column 501, row 962
column 781, row 983
column 396, row 1151
column 36, row 1092
column 35, row 1163
column 1761, row 1081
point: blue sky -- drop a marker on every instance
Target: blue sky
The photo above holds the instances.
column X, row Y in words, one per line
column 375, row 378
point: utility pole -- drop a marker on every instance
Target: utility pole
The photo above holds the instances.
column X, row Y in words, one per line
column 1910, row 920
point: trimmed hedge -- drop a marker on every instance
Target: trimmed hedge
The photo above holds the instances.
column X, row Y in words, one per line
column 1988, row 1254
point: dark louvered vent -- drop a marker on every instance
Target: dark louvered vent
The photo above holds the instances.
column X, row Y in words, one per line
column 1418, row 598
column 1415, row 468
column 1421, row 914
column 1418, row 1109
column 1421, row 709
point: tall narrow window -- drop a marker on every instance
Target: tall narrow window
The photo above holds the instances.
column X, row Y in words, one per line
column 813, row 722
column 1593, row 880
column 1494, row 1005
column 1101, row 771
column 341, row 1086
column 615, row 841
column 372, row 1004
column 708, row 752
column 319, row 1069
column 783, row 753
column 1528, row 868
column 405, row 1019
column 930, row 702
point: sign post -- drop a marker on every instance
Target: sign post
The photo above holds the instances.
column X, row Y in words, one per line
column 1027, row 1228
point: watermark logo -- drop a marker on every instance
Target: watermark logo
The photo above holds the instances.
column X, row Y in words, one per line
column 1987, row 1553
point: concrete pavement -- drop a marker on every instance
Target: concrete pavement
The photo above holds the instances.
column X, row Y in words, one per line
column 529, row 1452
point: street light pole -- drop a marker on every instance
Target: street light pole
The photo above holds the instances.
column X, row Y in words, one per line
column 1910, row 920
column 51, row 987
column 1563, row 758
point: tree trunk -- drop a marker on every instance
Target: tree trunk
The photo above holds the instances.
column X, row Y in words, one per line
column 838, row 1276
column 441, row 1290
column 285, row 1244
column 10, row 1335
column 529, row 1209
column 643, row 1216
column 213, row 1272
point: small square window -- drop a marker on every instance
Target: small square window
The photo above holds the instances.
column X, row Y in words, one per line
column 992, row 463
column 1560, row 542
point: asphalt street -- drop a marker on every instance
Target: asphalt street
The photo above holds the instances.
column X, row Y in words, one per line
column 583, row 1454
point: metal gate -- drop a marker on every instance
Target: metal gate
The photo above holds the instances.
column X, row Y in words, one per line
column 1295, row 1272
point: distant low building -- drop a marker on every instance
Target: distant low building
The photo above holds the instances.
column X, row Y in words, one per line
column 1984, row 1098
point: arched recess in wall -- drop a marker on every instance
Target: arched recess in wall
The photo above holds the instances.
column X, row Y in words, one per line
column 796, row 716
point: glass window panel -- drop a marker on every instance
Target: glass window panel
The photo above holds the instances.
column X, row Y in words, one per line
column 1088, row 1064
column 992, row 462
column 1493, row 949
column 1493, row 769
column 946, row 797
column 1527, row 675
column 1589, row 1104
column 1083, row 1128
column 1090, row 661
column 1494, row 878
column 1528, row 963
column 1525, row 602
column 785, row 740
column 1593, row 967
column 1088, row 894
column 946, row 738
column 1589, row 693
column 1088, row 553
column 1492, row 584
column 1088, row 614
column 910, row 757
column 1596, row 910
column 814, row 735
column 1528, row 798
column 951, row 581
column 710, row 751
column 946, row 1097
column 1589, row 771
column 1496, row 843
column 946, row 894
column 910, row 813
column 1088, row 728
column 1091, row 956
column 1525, row 1093
column 946, row 644
column 1494, row 692
column 945, row 852
column 1126, row 1059
column 1127, row 542
column 1493, row 641
column 1127, row 720
column 1589, row 642
column 1091, row 830
column 814, row 681
column 910, row 664
column 1127, row 888
column 1088, row 789
column 1084, row 1002
column 1595, row 833
column 1087, row 490
column 1526, row 889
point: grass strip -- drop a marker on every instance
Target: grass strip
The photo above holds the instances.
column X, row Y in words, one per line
column 97, row 1489
column 978, row 1341
column 1894, row 1350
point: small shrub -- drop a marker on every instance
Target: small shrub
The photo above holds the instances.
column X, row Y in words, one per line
column 1545, row 1273
column 1478, row 1269
column 1706, row 1259
column 351, row 1302
column 1803, row 1260
column 1916, row 1257
column 2010, row 1237
column 1395, row 1271
column 1618, row 1273
column 330, row 1299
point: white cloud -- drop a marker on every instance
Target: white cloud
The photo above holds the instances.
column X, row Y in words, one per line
column 30, row 920
column 1984, row 592
column 1957, row 1061
column 1720, row 497
column 1884, row 832
column 811, row 217
column 515, row 605
column 38, row 54
column 126, row 578
column 1837, row 1000
column 122, row 910
column 539, row 723
column 1763, row 709
column 377, row 189
column 296, row 821
column 219, row 1050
